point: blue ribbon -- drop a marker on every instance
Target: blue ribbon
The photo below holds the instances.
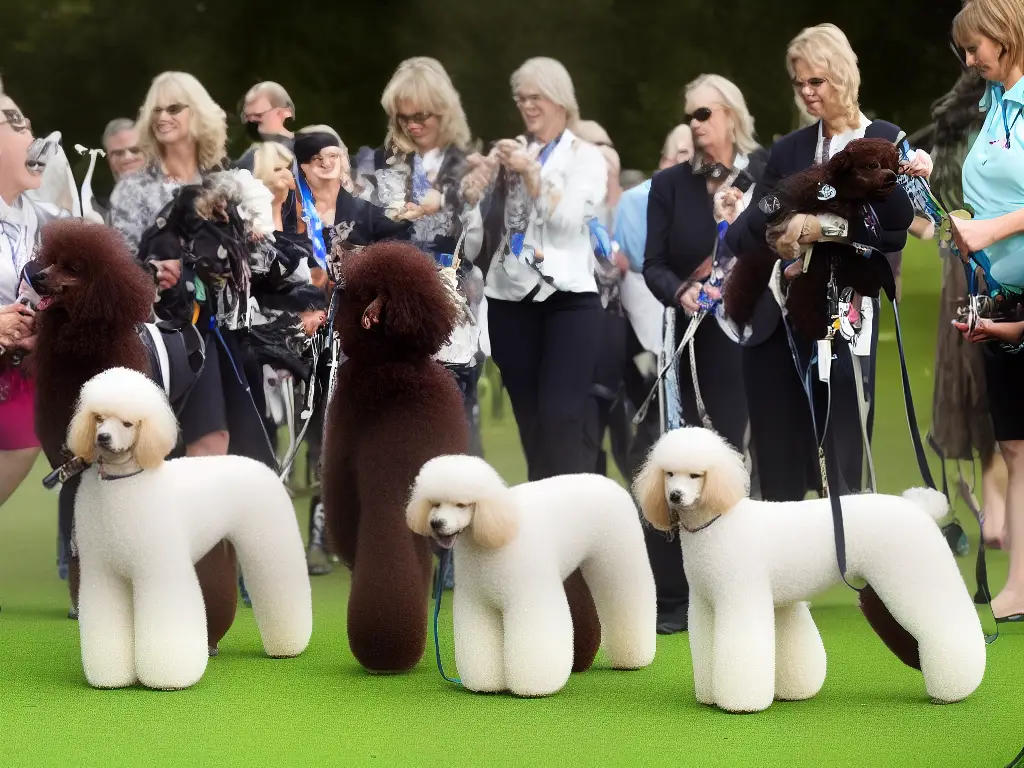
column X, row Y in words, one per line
column 314, row 226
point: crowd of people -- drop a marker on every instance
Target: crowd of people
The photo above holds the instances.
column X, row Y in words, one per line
column 582, row 276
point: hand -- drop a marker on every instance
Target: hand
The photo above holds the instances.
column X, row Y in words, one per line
column 16, row 324
column 168, row 273
column 784, row 237
column 727, row 205
column 987, row 330
column 688, row 298
column 920, row 164
column 973, row 235
column 514, row 156
column 312, row 320
column 620, row 261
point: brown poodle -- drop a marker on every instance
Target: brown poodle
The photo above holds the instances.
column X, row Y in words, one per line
column 93, row 298
column 863, row 172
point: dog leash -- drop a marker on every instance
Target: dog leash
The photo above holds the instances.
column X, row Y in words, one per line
column 444, row 561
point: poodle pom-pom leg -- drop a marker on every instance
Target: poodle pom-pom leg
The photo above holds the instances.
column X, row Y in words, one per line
column 170, row 628
column 538, row 644
column 479, row 644
column 799, row 654
column 744, row 654
column 953, row 663
column 586, row 625
column 700, row 619
column 107, row 630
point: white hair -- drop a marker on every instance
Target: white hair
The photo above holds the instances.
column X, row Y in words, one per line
column 732, row 99
column 552, row 80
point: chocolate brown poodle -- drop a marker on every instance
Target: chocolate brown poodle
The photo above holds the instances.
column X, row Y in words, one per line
column 865, row 171
column 93, row 298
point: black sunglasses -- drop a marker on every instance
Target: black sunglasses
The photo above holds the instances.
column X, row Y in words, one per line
column 701, row 115
column 419, row 118
column 171, row 109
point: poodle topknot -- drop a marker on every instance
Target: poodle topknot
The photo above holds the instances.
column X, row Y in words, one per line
column 134, row 398
column 394, row 305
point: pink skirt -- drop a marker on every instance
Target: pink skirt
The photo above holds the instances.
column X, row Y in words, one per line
column 17, row 411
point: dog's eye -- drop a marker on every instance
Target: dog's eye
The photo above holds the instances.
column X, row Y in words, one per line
column 874, row 166
column 128, row 424
column 97, row 418
column 668, row 474
column 695, row 475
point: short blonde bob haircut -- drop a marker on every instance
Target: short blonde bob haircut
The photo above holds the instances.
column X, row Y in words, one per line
column 670, row 149
column 825, row 47
column 207, row 124
column 732, row 99
column 424, row 82
column 1001, row 21
column 552, row 81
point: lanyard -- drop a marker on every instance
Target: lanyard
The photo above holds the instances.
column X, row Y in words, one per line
column 314, row 227
column 1007, row 125
column 548, row 149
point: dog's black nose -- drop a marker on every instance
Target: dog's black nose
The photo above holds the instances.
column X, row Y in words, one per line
column 436, row 524
column 103, row 439
column 675, row 497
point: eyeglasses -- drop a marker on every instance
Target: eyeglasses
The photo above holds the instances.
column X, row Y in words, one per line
column 527, row 99
column 124, row 152
column 171, row 109
column 420, row 118
column 326, row 158
column 18, row 122
column 701, row 115
column 814, row 83
column 256, row 117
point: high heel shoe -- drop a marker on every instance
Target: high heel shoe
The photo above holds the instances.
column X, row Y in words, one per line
column 1013, row 618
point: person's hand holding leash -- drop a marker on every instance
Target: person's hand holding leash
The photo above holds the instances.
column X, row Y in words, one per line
column 168, row 273
column 987, row 330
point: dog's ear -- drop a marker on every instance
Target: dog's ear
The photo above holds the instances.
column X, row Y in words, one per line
column 495, row 522
column 417, row 513
column 840, row 165
column 157, row 435
column 81, row 437
column 649, row 491
column 726, row 482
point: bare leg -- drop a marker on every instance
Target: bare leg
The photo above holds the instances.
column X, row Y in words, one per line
column 1011, row 599
column 14, row 467
column 993, row 489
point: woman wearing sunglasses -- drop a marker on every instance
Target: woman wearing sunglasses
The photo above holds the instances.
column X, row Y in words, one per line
column 687, row 202
column 991, row 34
column 822, row 67
column 20, row 222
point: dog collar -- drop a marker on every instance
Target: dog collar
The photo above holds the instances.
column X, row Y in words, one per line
column 111, row 478
column 699, row 528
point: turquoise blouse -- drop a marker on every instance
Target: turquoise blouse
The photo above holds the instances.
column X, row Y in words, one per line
column 993, row 176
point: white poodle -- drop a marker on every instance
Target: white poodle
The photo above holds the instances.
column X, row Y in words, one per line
column 751, row 563
column 142, row 522
column 514, row 548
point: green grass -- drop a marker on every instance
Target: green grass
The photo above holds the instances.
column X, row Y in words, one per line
column 321, row 707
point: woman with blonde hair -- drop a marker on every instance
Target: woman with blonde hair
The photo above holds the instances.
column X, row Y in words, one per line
column 686, row 205
column 823, row 69
column 991, row 34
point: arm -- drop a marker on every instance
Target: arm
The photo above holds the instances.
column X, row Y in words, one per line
column 474, row 229
column 895, row 215
column 747, row 232
column 978, row 234
column 630, row 225
column 663, row 282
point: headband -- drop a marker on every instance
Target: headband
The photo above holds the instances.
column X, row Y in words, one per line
column 308, row 145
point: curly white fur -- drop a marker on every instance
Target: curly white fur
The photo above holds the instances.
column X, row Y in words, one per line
column 514, row 548
column 750, row 564
column 141, row 612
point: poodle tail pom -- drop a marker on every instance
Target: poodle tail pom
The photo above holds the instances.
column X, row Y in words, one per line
column 934, row 503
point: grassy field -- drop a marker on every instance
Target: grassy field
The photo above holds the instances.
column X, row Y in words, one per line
column 322, row 708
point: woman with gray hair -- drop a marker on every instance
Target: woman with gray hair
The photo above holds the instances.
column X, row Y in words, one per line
column 822, row 67
column 687, row 204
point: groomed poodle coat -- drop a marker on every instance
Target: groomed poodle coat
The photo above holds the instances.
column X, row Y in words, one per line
column 514, row 548
column 751, row 564
column 393, row 408
column 143, row 524
column 94, row 297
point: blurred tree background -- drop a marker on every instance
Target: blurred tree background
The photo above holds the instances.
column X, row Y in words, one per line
column 74, row 64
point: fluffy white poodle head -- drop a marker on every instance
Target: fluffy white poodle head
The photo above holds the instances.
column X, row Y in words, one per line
column 122, row 415
column 459, row 494
column 692, row 476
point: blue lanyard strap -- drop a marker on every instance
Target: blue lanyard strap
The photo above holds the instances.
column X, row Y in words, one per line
column 314, row 226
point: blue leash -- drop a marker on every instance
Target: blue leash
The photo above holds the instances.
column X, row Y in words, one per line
column 445, row 561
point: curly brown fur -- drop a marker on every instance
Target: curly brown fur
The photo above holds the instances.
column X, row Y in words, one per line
column 865, row 171
column 96, row 295
column 393, row 409
column 896, row 638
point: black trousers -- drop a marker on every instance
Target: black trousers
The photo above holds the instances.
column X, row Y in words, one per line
column 547, row 353
column 720, row 377
column 782, row 431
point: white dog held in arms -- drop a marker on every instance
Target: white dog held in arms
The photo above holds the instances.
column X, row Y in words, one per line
column 140, row 524
column 514, row 548
column 750, row 564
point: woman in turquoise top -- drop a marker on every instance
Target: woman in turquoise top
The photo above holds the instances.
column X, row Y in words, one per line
column 991, row 33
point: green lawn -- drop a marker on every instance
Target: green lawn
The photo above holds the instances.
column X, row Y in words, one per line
column 322, row 708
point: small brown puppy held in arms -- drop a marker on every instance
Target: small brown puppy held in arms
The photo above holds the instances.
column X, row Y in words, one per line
column 94, row 296
column 864, row 172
